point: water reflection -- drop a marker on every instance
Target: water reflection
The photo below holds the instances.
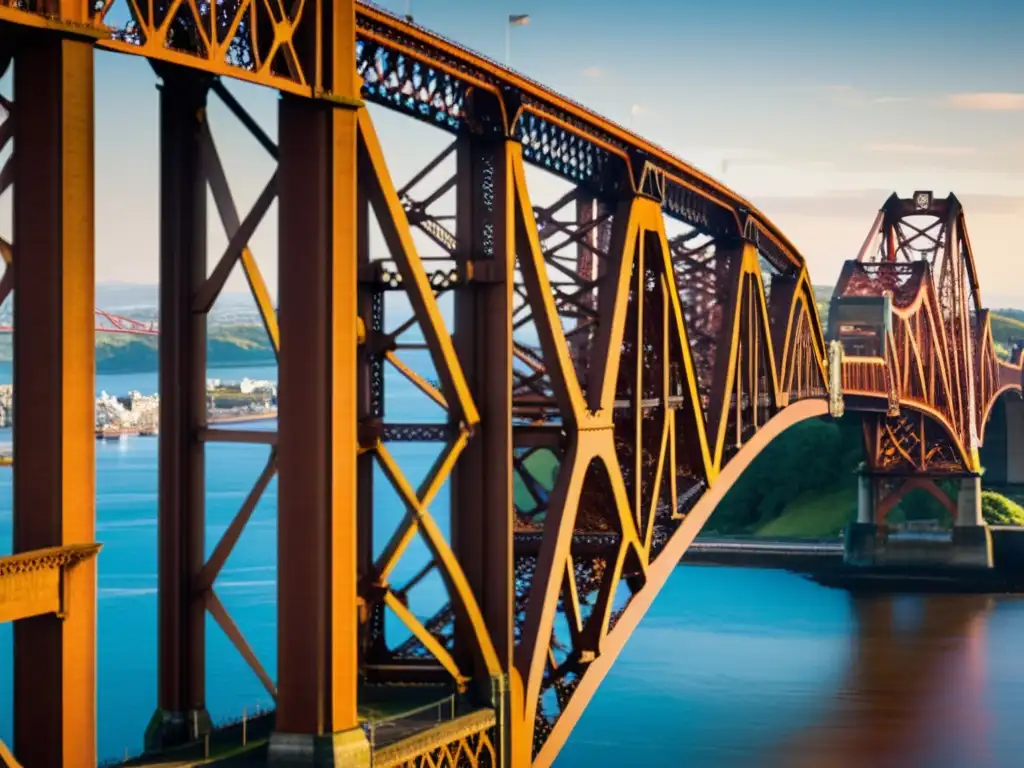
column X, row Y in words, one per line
column 913, row 694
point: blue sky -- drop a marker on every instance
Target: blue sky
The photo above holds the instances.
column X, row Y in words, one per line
column 815, row 111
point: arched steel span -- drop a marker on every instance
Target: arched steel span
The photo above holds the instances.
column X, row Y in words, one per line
column 650, row 368
column 628, row 328
column 1003, row 380
column 920, row 353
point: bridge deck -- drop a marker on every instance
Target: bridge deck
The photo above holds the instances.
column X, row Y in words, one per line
column 391, row 717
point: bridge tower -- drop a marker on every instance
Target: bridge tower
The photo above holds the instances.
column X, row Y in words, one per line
column 909, row 316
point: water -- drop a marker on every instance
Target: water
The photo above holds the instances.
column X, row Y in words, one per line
column 731, row 667
column 753, row 668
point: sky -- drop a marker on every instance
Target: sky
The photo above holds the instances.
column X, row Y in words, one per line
column 814, row 111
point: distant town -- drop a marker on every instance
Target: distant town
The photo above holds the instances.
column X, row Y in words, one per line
column 133, row 414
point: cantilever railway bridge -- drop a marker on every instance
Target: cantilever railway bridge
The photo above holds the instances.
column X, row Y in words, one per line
column 109, row 322
column 650, row 329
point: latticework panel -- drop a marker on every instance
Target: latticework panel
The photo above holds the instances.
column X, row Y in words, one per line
column 647, row 363
column 466, row 742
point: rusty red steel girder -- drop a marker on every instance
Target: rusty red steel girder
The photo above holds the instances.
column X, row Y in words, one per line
column 642, row 337
column 934, row 385
column 929, row 376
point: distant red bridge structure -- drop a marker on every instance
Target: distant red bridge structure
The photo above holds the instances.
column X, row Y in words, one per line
column 107, row 322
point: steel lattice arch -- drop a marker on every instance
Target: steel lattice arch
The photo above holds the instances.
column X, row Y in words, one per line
column 648, row 332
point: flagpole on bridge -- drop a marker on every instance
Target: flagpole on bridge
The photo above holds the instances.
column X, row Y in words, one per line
column 514, row 20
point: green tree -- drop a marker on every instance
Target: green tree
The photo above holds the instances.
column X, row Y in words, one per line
column 996, row 509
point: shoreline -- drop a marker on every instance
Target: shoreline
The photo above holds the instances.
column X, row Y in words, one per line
column 242, row 417
column 795, row 555
column 823, row 563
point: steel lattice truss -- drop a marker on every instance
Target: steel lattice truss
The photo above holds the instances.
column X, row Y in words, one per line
column 939, row 375
column 643, row 363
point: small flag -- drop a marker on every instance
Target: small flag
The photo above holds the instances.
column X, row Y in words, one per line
column 518, row 19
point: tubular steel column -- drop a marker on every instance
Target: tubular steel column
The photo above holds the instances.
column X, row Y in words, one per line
column 54, row 390
column 371, row 393
column 317, row 721
column 865, row 499
column 181, row 692
column 482, row 514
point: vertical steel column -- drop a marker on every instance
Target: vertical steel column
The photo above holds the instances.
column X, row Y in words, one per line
column 181, row 691
column 371, row 381
column 317, row 438
column 482, row 514
column 54, row 390
column 317, row 720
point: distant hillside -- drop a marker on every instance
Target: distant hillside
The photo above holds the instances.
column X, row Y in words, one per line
column 139, row 301
column 1007, row 329
column 822, row 296
column 227, row 346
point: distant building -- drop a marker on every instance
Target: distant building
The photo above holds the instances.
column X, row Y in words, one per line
column 257, row 386
column 6, row 405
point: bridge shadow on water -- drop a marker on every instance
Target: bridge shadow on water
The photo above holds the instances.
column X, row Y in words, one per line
column 912, row 695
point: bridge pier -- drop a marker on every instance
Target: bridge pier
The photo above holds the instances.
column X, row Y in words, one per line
column 972, row 540
column 968, row 503
column 868, row 541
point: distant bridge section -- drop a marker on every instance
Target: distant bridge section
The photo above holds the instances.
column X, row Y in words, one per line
column 108, row 322
column 920, row 362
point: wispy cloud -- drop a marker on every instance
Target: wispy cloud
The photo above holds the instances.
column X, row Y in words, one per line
column 734, row 158
column 918, row 149
column 990, row 101
column 844, row 94
column 851, row 96
column 836, row 88
column 594, row 72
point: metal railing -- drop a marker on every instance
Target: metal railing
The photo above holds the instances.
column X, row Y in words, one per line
column 408, row 723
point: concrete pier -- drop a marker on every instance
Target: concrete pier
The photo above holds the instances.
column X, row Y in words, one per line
column 870, row 543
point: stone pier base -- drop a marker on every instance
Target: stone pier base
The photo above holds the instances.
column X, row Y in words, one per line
column 972, row 546
column 861, row 544
column 869, row 545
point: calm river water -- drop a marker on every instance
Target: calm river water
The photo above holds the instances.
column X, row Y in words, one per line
column 731, row 667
